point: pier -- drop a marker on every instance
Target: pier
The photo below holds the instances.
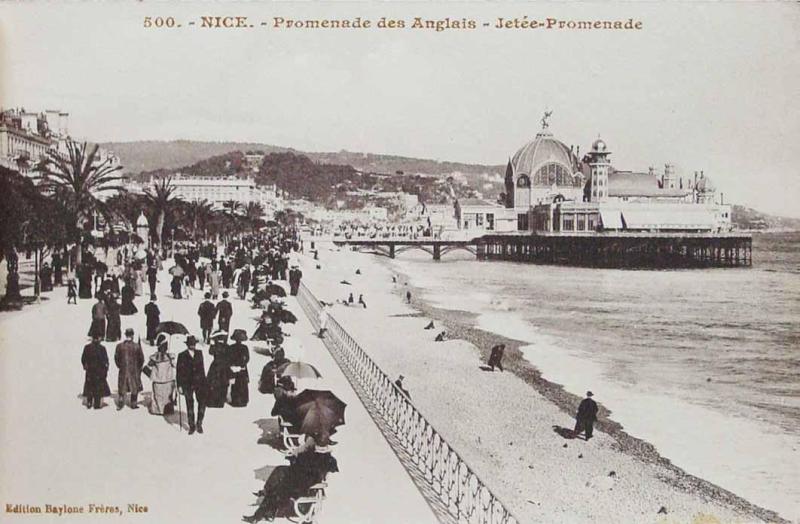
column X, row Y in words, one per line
column 604, row 249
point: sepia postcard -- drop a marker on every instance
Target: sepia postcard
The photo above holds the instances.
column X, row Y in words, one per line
column 365, row 262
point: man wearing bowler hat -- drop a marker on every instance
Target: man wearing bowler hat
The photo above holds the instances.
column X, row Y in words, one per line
column 225, row 312
column 191, row 377
column 586, row 417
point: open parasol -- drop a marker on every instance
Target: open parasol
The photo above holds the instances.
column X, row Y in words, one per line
column 176, row 271
column 171, row 327
column 275, row 289
column 299, row 370
column 319, row 411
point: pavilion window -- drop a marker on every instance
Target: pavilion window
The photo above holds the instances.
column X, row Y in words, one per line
column 581, row 222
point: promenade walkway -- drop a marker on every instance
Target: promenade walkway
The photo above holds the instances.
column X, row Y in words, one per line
column 54, row 451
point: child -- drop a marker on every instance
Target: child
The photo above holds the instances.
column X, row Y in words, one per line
column 72, row 296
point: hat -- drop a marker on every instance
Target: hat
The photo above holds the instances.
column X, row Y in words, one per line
column 152, row 298
column 225, row 294
column 129, row 332
column 401, row 377
column 161, row 338
column 239, row 335
column 191, row 340
column 589, row 394
column 286, row 382
column 219, row 334
column 208, row 295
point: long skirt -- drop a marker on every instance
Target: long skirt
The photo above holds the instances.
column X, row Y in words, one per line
column 240, row 395
column 151, row 330
column 218, row 375
column 114, row 329
column 85, row 288
column 163, row 398
column 128, row 308
column 98, row 328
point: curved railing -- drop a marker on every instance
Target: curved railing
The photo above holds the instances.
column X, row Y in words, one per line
column 457, row 486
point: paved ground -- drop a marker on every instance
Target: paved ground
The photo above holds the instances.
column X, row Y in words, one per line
column 54, row 451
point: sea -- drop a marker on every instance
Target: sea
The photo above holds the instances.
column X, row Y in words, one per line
column 703, row 364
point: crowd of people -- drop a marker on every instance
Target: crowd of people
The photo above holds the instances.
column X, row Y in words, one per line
column 252, row 268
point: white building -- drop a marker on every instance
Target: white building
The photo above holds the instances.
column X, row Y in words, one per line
column 218, row 190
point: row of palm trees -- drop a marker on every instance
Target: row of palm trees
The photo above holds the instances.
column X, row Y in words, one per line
column 85, row 187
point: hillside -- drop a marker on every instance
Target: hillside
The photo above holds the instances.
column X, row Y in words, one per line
column 748, row 218
column 155, row 155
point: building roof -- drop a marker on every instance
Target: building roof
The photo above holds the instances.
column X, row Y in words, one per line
column 543, row 149
column 476, row 202
column 628, row 183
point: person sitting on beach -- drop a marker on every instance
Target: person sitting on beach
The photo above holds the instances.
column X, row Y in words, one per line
column 430, row 325
column 441, row 337
column 586, row 416
column 399, row 384
column 350, row 299
column 361, row 301
column 496, row 357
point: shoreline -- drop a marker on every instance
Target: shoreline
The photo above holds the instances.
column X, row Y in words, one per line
column 461, row 327
column 457, row 324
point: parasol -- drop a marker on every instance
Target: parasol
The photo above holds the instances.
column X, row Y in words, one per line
column 141, row 254
column 275, row 289
column 319, row 411
column 287, row 317
column 176, row 271
column 299, row 370
column 172, row 328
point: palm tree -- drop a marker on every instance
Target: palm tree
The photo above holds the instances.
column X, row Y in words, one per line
column 254, row 212
column 198, row 214
column 233, row 207
column 79, row 181
column 162, row 198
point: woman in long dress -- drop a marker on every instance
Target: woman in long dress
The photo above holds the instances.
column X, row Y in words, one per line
column 161, row 370
column 128, row 307
column 239, row 356
column 113, row 322
column 138, row 280
column 219, row 371
column 213, row 279
column 310, row 465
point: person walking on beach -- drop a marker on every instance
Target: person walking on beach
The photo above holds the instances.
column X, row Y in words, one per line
column 496, row 357
column 408, row 297
column 586, row 416
column 399, row 384
column 129, row 359
column 191, row 377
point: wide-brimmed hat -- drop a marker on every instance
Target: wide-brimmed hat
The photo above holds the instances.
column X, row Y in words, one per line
column 161, row 338
column 219, row 334
column 239, row 335
column 191, row 340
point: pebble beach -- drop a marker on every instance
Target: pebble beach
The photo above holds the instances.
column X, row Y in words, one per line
column 512, row 426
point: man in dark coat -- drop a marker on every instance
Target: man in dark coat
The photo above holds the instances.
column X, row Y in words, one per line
column 129, row 359
column 95, row 363
column 224, row 312
column 191, row 378
column 152, row 278
column 153, row 315
column 294, row 280
column 207, row 311
column 496, row 357
column 586, row 417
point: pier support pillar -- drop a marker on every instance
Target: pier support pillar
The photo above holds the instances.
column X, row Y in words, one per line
column 391, row 250
column 437, row 252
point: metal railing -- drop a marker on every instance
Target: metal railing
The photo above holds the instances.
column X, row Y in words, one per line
column 466, row 497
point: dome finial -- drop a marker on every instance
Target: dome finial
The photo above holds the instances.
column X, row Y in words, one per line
column 545, row 124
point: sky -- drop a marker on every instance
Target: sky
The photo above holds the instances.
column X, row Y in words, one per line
column 706, row 86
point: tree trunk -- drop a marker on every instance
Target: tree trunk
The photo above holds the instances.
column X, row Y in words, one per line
column 160, row 226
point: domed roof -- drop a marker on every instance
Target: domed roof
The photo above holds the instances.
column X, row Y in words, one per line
column 599, row 146
column 543, row 149
column 706, row 185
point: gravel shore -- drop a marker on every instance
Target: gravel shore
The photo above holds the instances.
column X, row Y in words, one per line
column 512, row 427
